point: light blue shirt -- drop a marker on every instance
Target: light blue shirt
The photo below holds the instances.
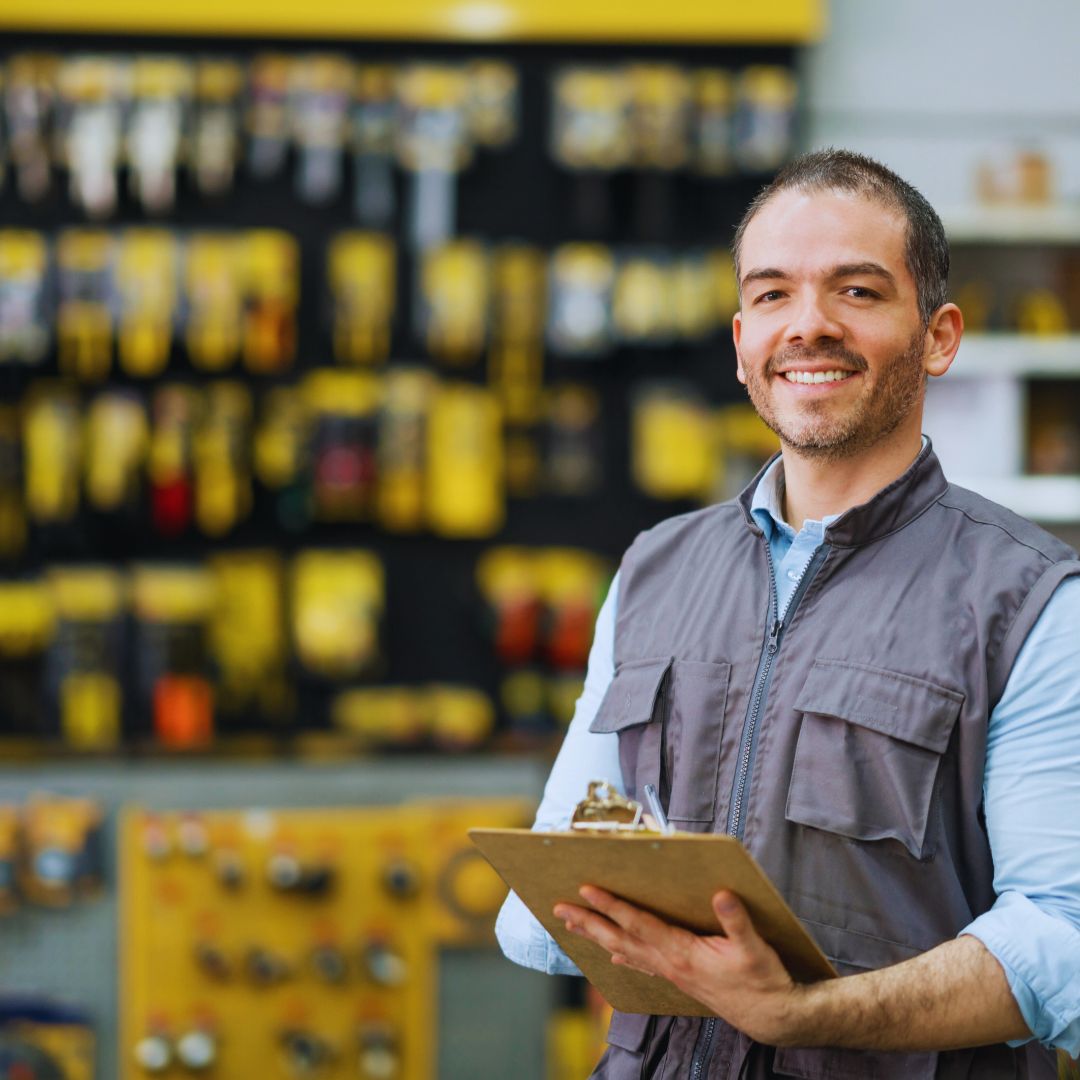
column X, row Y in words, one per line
column 1031, row 788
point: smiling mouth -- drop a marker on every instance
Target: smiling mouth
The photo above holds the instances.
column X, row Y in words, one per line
column 806, row 377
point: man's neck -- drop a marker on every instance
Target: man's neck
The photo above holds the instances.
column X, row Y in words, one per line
column 815, row 489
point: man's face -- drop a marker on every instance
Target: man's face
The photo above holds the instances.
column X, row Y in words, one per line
column 830, row 343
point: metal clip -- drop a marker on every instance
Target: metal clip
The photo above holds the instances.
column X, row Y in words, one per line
column 605, row 810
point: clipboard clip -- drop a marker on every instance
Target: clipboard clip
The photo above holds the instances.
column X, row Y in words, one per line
column 606, row 810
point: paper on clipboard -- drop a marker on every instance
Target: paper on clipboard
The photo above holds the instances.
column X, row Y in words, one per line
column 673, row 876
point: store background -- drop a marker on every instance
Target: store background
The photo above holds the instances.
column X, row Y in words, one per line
column 935, row 91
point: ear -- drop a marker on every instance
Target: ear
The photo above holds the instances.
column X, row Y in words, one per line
column 736, row 335
column 943, row 339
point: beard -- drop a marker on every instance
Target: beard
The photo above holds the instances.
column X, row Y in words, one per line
column 826, row 432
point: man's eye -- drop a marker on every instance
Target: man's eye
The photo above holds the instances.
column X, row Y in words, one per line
column 772, row 294
column 859, row 291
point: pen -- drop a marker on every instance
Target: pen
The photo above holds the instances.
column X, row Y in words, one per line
column 657, row 810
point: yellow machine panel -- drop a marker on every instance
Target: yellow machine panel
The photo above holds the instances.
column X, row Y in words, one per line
column 276, row 944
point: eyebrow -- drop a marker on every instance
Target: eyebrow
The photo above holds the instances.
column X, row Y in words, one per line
column 771, row 273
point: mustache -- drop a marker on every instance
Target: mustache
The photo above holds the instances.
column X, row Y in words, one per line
column 795, row 353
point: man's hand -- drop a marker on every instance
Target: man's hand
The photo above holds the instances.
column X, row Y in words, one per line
column 953, row 996
column 734, row 973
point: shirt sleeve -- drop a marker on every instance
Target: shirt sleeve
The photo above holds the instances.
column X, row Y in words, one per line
column 584, row 756
column 1032, row 799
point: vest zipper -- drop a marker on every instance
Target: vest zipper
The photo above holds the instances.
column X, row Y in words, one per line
column 702, row 1051
column 777, row 623
column 735, row 825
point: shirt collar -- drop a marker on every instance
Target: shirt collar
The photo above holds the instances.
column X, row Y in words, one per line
column 768, row 502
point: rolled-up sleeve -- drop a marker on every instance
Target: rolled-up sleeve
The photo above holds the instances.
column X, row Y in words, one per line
column 1032, row 799
column 584, row 756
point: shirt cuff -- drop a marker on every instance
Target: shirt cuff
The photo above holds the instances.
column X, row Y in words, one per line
column 524, row 941
column 1040, row 953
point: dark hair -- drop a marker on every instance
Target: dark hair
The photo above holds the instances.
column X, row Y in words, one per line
column 927, row 251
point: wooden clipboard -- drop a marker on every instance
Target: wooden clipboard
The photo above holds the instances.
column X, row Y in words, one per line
column 673, row 875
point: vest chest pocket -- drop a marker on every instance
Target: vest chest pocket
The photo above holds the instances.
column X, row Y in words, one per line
column 669, row 715
column 869, row 751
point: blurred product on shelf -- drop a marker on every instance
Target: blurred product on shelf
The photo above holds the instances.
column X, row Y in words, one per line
column 320, row 99
column 214, row 292
column 373, row 120
column 25, row 326
column 60, row 856
column 572, row 462
column 1020, row 177
column 764, row 122
column 436, row 716
column 453, row 312
column 362, row 271
column 343, row 407
column 714, row 114
column 1053, row 427
column 93, row 93
column 401, row 467
column 684, row 449
column 84, row 665
column 246, row 636
column 465, row 466
column 215, row 126
column 52, row 442
column 12, row 503
column 171, row 608
column 84, row 318
column 29, row 97
column 580, row 306
column 433, row 145
column 147, row 295
column 541, row 605
column 157, row 122
column 267, row 116
column 41, row 1039
column 336, row 601
column 9, row 857
column 270, row 260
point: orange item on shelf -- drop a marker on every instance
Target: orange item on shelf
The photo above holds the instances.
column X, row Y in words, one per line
column 183, row 711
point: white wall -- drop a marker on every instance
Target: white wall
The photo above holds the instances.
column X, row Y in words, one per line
column 930, row 87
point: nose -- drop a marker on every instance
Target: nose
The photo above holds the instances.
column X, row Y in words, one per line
column 811, row 322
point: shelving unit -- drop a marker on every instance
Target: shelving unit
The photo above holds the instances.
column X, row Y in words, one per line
column 1020, row 356
column 1013, row 224
column 987, row 384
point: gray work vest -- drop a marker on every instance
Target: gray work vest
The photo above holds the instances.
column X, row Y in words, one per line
column 844, row 745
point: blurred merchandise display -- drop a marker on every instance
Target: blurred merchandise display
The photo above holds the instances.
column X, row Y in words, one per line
column 286, row 333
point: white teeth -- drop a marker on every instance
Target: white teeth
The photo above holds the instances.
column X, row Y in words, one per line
column 816, row 376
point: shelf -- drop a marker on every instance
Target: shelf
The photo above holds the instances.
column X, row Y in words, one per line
column 697, row 21
column 1013, row 224
column 1017, row 355
column 1049, row 499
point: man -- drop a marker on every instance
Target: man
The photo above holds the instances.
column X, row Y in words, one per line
column 867, row 675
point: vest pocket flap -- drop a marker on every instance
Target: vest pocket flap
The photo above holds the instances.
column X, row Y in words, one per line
column 900, row 706
column 631, row 697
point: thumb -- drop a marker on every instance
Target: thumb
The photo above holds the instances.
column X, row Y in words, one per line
column 732, row 917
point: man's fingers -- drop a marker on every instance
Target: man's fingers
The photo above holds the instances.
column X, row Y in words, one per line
column 733, row 918
column 633, row 919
